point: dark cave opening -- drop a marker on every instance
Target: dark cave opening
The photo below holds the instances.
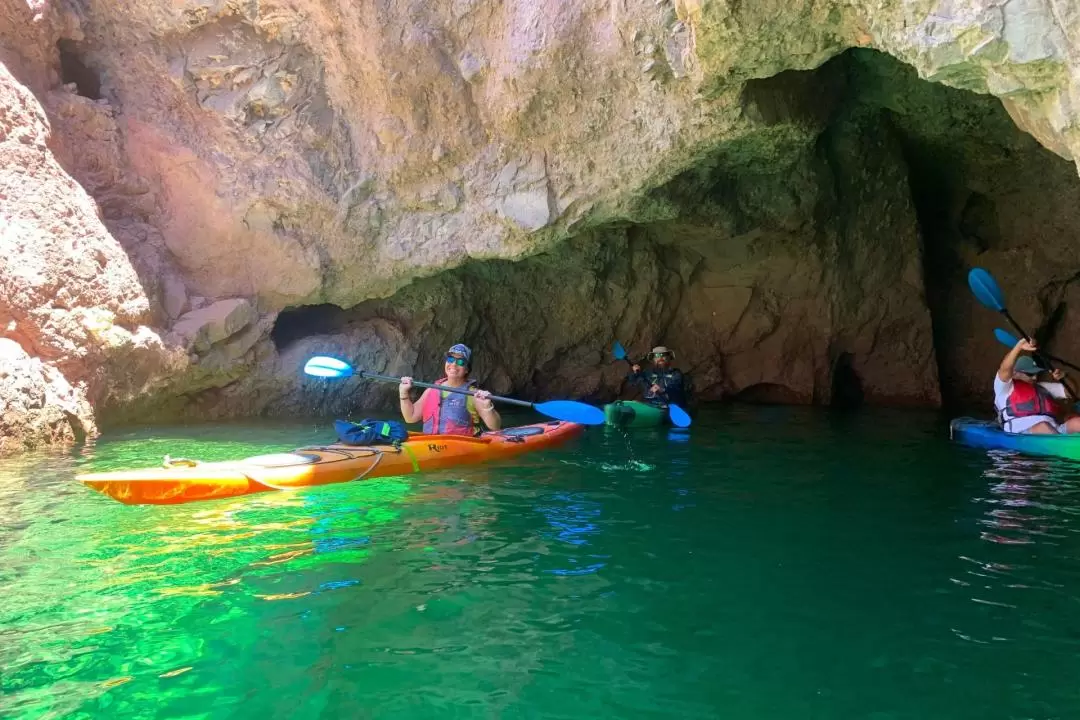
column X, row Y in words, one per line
column 986, row 194
column 847, row 391
column 73, row 69
column 887, row 189
column 295, row 324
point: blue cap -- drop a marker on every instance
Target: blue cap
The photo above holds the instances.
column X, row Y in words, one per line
column 1027, row 365
column 461, row 349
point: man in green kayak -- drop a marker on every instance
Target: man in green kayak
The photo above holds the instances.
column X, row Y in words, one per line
column 1026, row 402
column 446, row 413
column 661, row 384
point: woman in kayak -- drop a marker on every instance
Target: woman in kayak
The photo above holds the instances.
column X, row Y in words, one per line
column 1026, row 404
column 446, row 413
column 662, row 384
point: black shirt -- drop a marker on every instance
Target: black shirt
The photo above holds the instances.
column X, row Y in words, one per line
column 671, row 381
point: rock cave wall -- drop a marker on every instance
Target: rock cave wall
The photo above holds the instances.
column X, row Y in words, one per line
column 822, row 259
column 252, row 183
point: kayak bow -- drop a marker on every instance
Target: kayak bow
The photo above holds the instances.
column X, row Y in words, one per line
column 631, row 413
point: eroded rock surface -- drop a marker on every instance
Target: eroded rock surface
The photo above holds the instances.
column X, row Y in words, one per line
column 286, row 145
column 71, row 302
column 38, row 407
column 180, row 182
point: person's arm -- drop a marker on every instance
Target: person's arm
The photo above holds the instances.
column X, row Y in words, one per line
column 486, row 409
column 1005, row 371
column 410, row 412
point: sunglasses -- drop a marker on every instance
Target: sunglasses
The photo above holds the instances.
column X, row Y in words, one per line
column 459, row 361
column 657, row 356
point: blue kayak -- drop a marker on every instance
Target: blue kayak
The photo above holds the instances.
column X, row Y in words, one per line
column 987, row 434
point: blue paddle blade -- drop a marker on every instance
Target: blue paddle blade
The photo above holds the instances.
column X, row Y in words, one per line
column 1005, row 337
column 327, row 367
column 678, row 416
column 618, row 351
column 570, row 411
column 986, row 289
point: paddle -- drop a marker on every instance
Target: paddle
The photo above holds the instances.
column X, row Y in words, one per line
column 1007, row 339
column 987, row 292
column 678, row 416
column 565, row 410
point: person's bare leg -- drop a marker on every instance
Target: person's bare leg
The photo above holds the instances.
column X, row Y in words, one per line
column 1043, row 428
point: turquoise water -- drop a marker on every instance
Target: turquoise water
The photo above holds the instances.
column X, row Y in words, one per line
column 777, row 563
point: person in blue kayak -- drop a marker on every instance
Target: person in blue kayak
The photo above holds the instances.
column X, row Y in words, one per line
column 1027, row 397
column 446, row 413
column 662, row 383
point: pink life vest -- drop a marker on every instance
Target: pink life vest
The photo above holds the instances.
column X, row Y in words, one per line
column 449, row 415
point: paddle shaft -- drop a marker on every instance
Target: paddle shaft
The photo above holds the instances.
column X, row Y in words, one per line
column 631, row 363
column 1059, row 361
column 1009, row 340
column 447, row 388
column 1038, row 355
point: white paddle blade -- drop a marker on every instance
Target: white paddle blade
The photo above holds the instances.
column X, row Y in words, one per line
column 327, row 367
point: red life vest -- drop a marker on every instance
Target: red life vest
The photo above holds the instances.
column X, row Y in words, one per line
column 1027, row 399
column 450, row 415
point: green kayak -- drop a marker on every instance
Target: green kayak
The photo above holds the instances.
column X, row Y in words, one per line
column 631, row 413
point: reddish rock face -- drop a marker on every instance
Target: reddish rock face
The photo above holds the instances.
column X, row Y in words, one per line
column 38, row 407
column 69, row 296
column 193, row 199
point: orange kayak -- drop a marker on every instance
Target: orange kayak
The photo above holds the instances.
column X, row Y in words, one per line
column 184, row 481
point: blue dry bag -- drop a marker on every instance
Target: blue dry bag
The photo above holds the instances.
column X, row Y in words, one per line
column 371, row 432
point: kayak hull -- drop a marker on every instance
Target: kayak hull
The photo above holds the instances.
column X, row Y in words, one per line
column 185, row 481
column 632, row 413
column 986, row 434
